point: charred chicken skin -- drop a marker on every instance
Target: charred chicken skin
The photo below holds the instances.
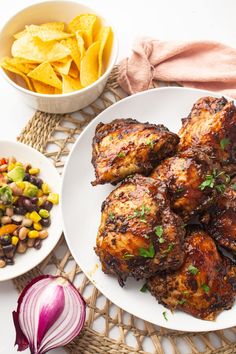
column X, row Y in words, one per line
column 139, row 235
column 125, row 146
column 203, row 286
column 185, row 175
column 222, row 222
column 212, row 123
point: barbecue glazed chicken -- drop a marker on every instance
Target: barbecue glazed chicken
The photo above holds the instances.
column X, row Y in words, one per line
column 222, row 222
column 205, row 284
column 139, row 235
column 212, row 123
column 185, row 175
column 125, row 146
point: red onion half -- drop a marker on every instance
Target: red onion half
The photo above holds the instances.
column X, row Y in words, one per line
column 50, row 313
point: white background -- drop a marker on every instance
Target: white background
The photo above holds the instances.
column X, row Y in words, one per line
column 163, row 19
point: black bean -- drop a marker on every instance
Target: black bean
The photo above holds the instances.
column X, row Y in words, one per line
column 47, row 205
column 20, row 201
column 9, row 261
column 38, row 182
column 34, row 200
column 5, row 240
column 38, row 244
column 29, row 206
column 19, row 210
column 45, row 222
column 8, row 251
column 27, row 176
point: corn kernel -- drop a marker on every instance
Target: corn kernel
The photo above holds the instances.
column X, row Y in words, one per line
column 40, row 193
column 34, row 171
column 15, row 198
column 2, row 207
column 14, row 240
column 37, row 226
column 40, row 201
column 34, row 216
column 44, row 213
column 4, row 174
column 45, row 188
column 33, row 234
column 53, row 198
column 11, row 166
column 27, row 215
column 21, row 185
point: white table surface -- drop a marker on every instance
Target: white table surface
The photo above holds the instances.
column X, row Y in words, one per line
column 164, row 19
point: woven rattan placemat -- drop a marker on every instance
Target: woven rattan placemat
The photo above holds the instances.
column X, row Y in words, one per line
column 108, row 328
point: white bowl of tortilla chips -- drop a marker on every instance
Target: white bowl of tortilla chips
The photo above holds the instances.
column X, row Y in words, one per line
column 58, row 55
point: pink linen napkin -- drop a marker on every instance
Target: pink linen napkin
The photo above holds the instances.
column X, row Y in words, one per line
column 200, row 64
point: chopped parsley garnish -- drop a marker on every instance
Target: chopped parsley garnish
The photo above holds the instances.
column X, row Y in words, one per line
column 224, row 142
column 182, row 301
column 205, row 288
column 164, row 314
column 185, row 292
column 111, row 216
column 179, row 190
column 184, row 225
column 170, row 248
column 211, row 181
column 121, row 154
column 193, row 270
column 147, row 253
column 150, row 143
column 144, row 288
column 128, row 255
column 234, row 186
column 159, row 232
column 140, row 213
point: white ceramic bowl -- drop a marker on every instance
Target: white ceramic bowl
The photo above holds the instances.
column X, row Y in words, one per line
column 32, row 257
column 50, row 11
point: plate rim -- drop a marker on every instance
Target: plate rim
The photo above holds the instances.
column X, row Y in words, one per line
column 56, row 238
column 208, row 327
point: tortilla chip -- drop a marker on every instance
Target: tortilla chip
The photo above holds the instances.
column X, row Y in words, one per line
column 40, row 87
column 74, row 72
column 84, row 23
column 35, row 50
column 72, row 45
column 18, row 72
column 17, row 63
column 56, row 26
column 45, row 73
column 46, row 34
column 69, row 84
column 89, row 65
column 105, row 38
column 80, row 43
column 62, row 68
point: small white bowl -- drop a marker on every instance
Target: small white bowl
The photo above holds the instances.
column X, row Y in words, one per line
column 32, row 257
column 51, row 11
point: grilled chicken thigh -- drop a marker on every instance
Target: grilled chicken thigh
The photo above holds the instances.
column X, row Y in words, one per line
column 212, row 123
column 222, row 222
column 139, row 235
column 185, row 176
column 205, row 284
column 125, row 146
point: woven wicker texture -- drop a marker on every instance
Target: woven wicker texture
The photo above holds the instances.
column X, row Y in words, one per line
column 108, row 328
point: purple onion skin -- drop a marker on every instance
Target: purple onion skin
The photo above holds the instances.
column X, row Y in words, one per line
column 48, row 314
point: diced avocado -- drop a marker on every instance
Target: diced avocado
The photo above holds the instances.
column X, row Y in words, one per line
column 6, row 195
column 17, row 174
column 30, row 190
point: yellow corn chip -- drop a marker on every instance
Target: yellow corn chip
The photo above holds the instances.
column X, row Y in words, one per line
column 17, row 63
column 80, row 43
column 74, row 72
column 105, row 38
column 89, row 65
column 69, row 84
column 72, row 45
column 45, row 73
column 56, row 26
column 18, row 72
column 62, row 68
column 46, row 34
column 35, row 50
column 84, row 23
column 40, row 87
column 57, row 91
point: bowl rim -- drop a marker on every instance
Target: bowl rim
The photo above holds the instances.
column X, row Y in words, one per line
column 114, row 55
column 57, row 232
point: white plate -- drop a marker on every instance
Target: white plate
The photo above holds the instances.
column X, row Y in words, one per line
column 81, row 206
column 32, row 257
